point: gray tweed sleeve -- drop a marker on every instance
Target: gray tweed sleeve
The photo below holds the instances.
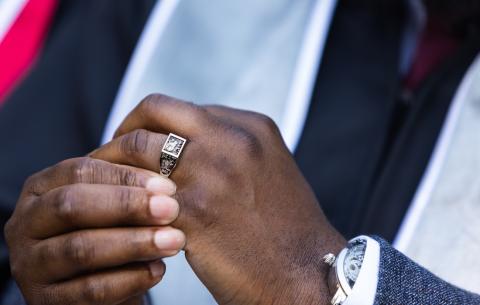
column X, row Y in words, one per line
column 403, row 282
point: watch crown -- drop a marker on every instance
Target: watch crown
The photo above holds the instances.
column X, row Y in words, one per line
column 329, row 259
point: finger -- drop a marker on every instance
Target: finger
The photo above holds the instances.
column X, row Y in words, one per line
column 84, row 206
column 82, row 251
column 164, row 114
column 140, row 148
column 110, row 287
column 90, row 171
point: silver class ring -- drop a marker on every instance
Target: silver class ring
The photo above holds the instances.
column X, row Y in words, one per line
column 171, row 151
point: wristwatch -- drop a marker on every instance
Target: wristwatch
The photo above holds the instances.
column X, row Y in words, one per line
column 345, row 269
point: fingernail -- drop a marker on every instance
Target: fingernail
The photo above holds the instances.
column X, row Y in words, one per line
column 169, row 239
column 161, row 185
column 164, row 208
column 157, row 269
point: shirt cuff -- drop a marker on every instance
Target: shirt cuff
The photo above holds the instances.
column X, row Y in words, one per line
column 365, row 288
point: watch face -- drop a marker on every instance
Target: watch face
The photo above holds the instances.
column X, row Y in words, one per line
column 353, row 260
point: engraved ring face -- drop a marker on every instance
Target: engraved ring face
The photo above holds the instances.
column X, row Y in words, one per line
column 170, row 153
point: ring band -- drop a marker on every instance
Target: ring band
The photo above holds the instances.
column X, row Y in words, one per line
column 172, row 148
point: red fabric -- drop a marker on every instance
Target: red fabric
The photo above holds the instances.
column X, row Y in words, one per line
column 23, row 42
column 435, row 45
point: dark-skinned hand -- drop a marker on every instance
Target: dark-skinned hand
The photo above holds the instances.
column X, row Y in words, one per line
column 86, row 231
column 255, row 231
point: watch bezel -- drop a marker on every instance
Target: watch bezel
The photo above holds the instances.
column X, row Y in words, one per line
column 340, row 272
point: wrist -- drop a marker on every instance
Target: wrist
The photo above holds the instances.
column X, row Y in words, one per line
column 309, row 284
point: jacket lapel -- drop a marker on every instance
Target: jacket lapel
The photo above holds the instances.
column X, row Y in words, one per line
column 452, row 205
column 387, row 201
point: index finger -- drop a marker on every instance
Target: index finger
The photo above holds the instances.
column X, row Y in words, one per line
column 90, row 171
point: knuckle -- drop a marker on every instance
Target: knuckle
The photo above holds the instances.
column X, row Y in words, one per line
column 198, row 114
column 127, row 177
column 19, row 261
column 15, row 269
column 14, row 232
column 84, row 170
column 8, row 231
column 32, row 184
column 30, row 181
column 194, row 107
column 150, row 100
column 79, row 251
column 94, row 292
column 266, row 123
column 148, row 105
column 195, row 206
column 135, row 143
column 65, row 206
column 249, row 145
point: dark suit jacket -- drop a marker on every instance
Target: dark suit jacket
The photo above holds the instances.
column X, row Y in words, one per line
column 363, row 170
column 60, row 109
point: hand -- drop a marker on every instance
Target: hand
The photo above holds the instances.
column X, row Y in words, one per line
column 255, row 231
column 89, row 232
